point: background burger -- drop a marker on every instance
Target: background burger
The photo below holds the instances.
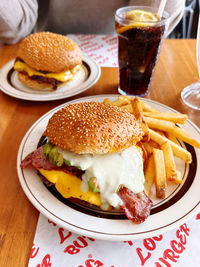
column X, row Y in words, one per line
column 92, row 155
column 47, row 60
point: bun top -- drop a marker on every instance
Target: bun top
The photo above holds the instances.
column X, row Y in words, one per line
column 92, row 127
column 46, row 51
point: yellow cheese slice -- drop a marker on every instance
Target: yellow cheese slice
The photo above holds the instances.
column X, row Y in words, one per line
column 62, row 76
column 70, row 186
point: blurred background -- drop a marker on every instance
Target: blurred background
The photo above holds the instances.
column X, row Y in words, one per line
column 187, row 27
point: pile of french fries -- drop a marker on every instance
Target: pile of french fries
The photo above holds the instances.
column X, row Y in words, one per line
column 159, row 144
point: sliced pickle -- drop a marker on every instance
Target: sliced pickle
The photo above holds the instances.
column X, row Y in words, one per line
column 93, row 185
column 120, row 187
column 59, row 160
column 55, row 157
column 53, row 154
column 47, row 149
column 67, row 162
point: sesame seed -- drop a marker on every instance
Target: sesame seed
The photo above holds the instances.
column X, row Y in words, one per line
column 93, row 127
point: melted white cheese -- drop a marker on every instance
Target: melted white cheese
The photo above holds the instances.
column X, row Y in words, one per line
column 111, row 171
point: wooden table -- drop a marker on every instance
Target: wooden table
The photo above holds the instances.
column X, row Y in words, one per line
column 176, row 69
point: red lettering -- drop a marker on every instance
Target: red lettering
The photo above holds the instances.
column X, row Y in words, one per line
column 174, row 246
column 88, row 262
column 71, row 250
column 96, row 263
column 129, row 242
column 181, row 237
column 168, row 253
column 54, row 224
column 149, row 244
column 142, row 258
column 62, row 237
column 84, row 243
column 163, row 261
column 90, row 238
column 33, row 252
column 158, row 238
column 185, row 229
column 80, row 243
column 46, row 262
column 198, row 216
column 157, row 264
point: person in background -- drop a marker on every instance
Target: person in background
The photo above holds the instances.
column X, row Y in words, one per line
column 20, row 18
column 17, row 19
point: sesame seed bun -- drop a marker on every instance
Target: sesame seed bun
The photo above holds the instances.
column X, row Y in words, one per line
column 45, row 51
column 92, row 127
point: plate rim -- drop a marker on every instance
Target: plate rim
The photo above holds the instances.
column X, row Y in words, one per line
column 41, row 98
column 91, row 233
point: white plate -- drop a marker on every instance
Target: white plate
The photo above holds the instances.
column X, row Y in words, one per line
column 83, row 80
column 181, row 203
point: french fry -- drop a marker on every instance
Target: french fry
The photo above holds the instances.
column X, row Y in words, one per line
column 170, row 167
column 143, row 151
column 177, row 150
column 137, row 108
column 183, row 135
column 127, row 97
column 171, row 137
column 107, row 101
column 128, row 108
column 121, row 101
column 172, row 128
column 179, row 178
column 138, row 113
column 149, row 175
column 160, row 174
column 160, row 142
column 173, row 117
column 153, row 144
column 161, row 133
column 148, row 108
column 148, row 147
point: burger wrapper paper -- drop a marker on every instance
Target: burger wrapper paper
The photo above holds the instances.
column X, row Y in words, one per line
column 55, row 246
column 101, row 48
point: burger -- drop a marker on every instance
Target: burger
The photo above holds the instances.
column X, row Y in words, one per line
column 92, row 155
column 46, row 61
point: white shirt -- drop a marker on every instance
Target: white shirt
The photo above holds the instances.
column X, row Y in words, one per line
column 19, row 17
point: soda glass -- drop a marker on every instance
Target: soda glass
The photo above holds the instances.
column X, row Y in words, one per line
column 138, row 49
column 191, row 94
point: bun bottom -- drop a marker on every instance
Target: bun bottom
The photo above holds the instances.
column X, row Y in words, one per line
column 34, row 84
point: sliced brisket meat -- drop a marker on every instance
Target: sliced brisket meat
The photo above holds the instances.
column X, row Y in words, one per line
column 137, row 207
column 42, row 79
column 36, row 160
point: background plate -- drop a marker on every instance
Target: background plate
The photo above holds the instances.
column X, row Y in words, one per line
column 83, row 80
column 182, row 200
